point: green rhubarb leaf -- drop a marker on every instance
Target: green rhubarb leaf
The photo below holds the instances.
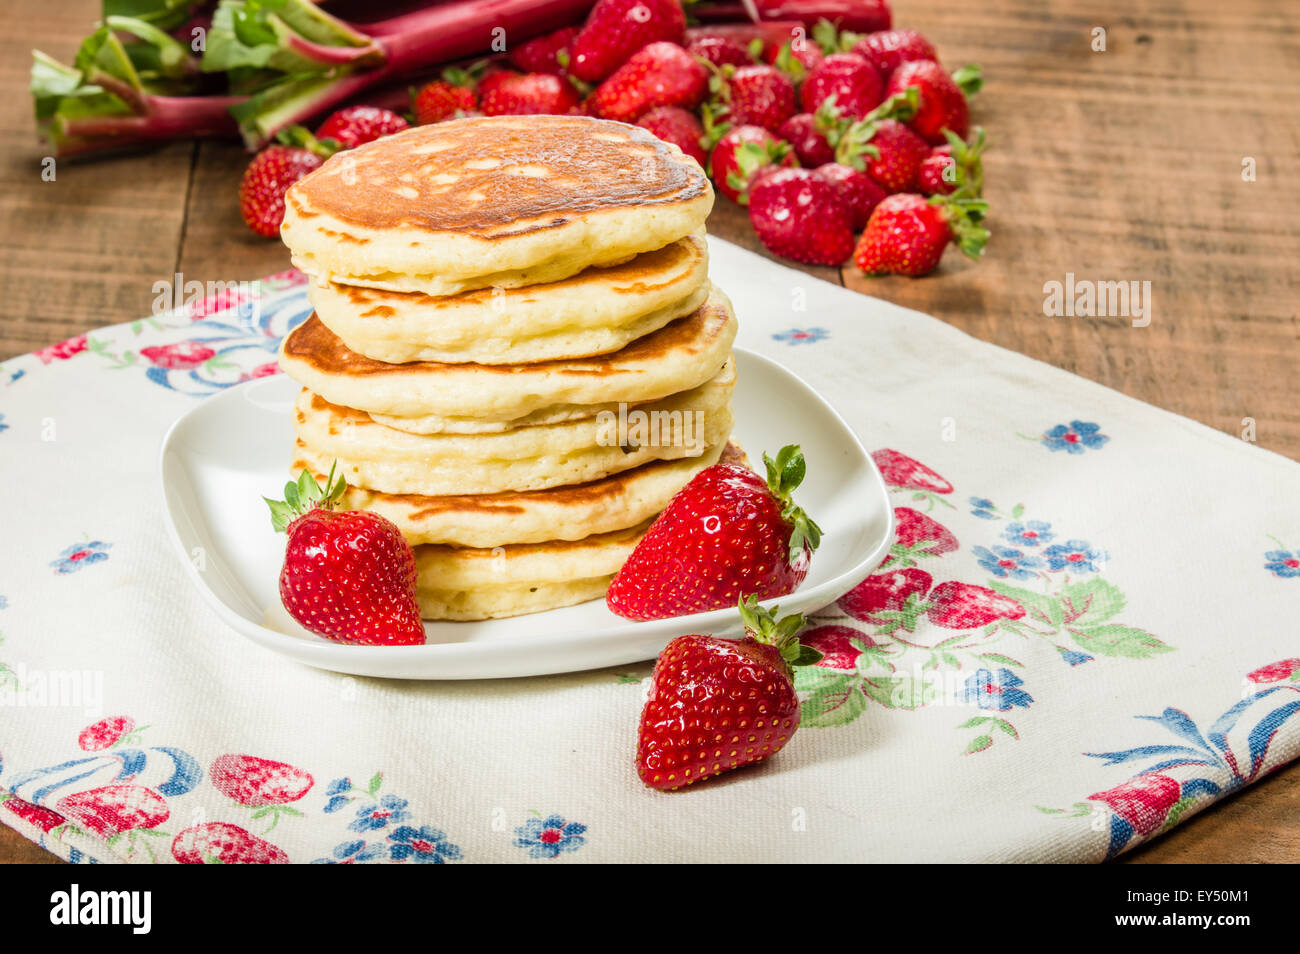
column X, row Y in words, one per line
column 1113, row 639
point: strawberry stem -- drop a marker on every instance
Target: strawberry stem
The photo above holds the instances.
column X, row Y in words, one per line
column 304, row 495
column 783, row 633
column 784, row 474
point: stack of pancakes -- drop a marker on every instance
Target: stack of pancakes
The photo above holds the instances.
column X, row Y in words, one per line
column 516, row 354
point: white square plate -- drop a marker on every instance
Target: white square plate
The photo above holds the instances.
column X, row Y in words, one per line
column 222, row 457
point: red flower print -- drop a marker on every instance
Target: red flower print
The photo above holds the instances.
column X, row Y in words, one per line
column 1143, row 801
column 63, row 350
column 265, row 370
column 181, row 356
column 113, row 809
column 253, row 781
column 219, row 843
column 1275, row 672
column 105, row 733
column 43, row 818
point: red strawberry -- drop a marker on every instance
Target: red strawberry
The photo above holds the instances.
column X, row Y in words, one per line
column 253, row 781
column 617, row 29
column 266, row 180
column 835, row 644
column 886, row 49
column 915, row 531
column 807, row 140
column 1275, row 672
column 492, row 78
column 545, row 54
column 967, row 606
column 898, row 154
column 800, row 215
column 854, row 83
column 938, row 173
column 758, row 96
column 796, row 58
column 886, row 593
column 941, row 102
column 740, row 153
column 113, row 809
column 355, row 125
column 105, row 733
column 442, row 100
column 347, row 576
column 720, row 51
column 678, row 126
column 529, row 94
column 904, row 473
column 43, row 818
column 860, row 193
column 717, row 704
column 1143, row 802
column 220, row 843
column 954, row 165
column 907, row 234
column 726, row 534
column 661, row 74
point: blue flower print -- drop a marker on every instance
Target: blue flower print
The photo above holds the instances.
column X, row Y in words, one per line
column 1031, row 533
column 797, row 336
column 353, row 853
column 337, row 792
column 73, row 558
column 4, row 602
column 3, row 425
column 1074, row 438
column 1004, row 562
column 996, row 690
column 1283, row 563
column 372, row 816
column 546, row 838
column 983, row 507
column 1075, row 556
column 426, row 845
column 1074, row 657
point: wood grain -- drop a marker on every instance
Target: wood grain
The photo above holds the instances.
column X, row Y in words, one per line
column 1123, row 165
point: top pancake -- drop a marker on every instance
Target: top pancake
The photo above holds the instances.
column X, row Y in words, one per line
column 492, row 201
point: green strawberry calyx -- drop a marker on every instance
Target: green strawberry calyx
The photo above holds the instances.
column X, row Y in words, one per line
column 851, row 139
column 965, row 217
column 304, row 495
column 782, row 633
column 967, row 163
column 300, row 137
column 750, row 157
column 784, row 474
column 969, row 79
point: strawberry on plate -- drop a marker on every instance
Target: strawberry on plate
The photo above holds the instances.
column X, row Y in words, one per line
column 354, row 125
column 661, row 74
column 616, row 29
column 907, row 233
column 726, row 534
column 718, row 704
column 348, row 575
column 802, row 215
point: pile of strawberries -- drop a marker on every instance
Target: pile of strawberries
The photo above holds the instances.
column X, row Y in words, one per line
column 841, row 144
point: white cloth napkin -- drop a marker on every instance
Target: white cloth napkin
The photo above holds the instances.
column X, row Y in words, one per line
column 1141, row 573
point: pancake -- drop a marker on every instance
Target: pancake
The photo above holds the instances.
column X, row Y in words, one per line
column 527, row 458
column 492, row 201
column 680, row 356
column 481, row 583
column 599, row 310
column 612, row 503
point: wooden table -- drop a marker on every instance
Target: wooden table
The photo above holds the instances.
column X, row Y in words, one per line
column 1116, row 165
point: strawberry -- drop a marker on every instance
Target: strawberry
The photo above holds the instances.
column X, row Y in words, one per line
column 887, row 49
column 492, row 78
column 739, row 154
column 720, row 51
column 617, row 29
column 915, row 531
column 220, row 843
column 1143, row 801
column 907, row 234
column 941, row 102
column 678, row 126
column 348, row 576
column 45, row 819
column 113, row 809
column 796, row 58
column 548, row 53
column 253, row 781
column 883, row 597
column 858, row 190
column 901, row 472
column 661, row 74
column 717, row 704
column 835, row 643
column 355, row 125
column 953, row 166
column 967, row 606
column 807, row 140
column 803, row 216
column 893, row 155
column 758, row 96
column 727, row 533
column 937, row 174
column 105, row 733
column 529, row 94
column 266, row 180
column 442, row 99
column 854, row 83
